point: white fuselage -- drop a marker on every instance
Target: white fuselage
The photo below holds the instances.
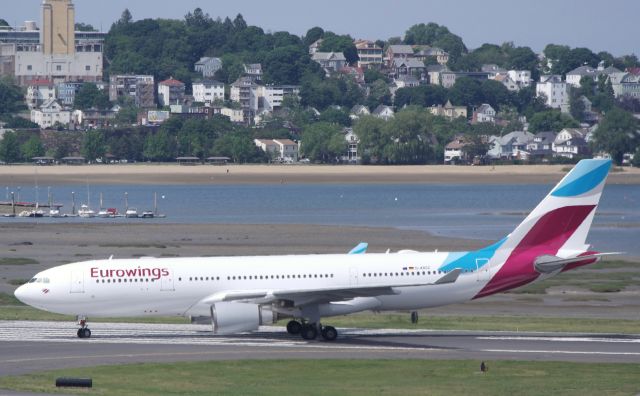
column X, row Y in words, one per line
column 176, row 286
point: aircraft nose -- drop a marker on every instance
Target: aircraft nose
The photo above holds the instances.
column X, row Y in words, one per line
column 21, row 294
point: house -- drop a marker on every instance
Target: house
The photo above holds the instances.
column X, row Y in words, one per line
column 253, row 71
column 280, row 149
column 554, row 91
column 454, row 150
column 272, row 96
column 398, row 51
column 208, row 91
column 542, row 145
column 140, row 88
column 449, row 111
column 49, row 114
column 510, row 146
column 433, row 72
column 408, row 67
column 384, row 112
column 208, row 66
column 246, row 92
column 66, row 92
column 574, row 76
column 356, row 73
column 493, row 70
column 352, row 139
column 521, row 77
column 625, row 84
column 170, row 91
column 423, row 52
column 447, row 78
column 38, row 92
column 507, row 82
column 234, row 115
column 571, row 143
column 331, row 62
column 369, row 54
column 484, row 113
column 358, row 111
column 406, row 81
column 93, row 118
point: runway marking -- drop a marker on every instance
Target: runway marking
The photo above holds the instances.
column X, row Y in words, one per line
column 561, row 352
column 562, row 339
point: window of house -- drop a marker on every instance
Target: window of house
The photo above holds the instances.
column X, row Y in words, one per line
column 29, row 67
column 87, row 68
column 59, row 68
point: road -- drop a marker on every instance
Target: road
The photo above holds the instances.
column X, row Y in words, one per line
column 28, row 347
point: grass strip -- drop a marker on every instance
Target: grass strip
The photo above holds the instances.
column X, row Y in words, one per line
column 344, row 377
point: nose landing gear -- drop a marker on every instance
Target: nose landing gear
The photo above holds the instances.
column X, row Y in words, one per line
column 83, row 331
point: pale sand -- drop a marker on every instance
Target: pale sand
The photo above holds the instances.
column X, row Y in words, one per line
column 276, row 174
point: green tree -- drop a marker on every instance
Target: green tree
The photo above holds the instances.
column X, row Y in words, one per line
column 466, row 92
column 3, row 22
column 93, row 145
column 335, row 43
column 313, row 35
column 617, row 134
column 32, row 148
column 495, row 94
column 239, row 147
column 9, row 148
column 336, row 116
column 11, row 97
column 319, row 142
column 159, row 147
column 90, row 97
column 371, row 132
column 551, row 120
column 378, row 94
column 126, row 17
column 84, row 27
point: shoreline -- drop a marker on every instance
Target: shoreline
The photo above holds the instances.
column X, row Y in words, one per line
column 168, row 174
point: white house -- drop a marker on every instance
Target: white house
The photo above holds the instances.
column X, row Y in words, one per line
column 235, row 115
column 38, row 92
column 521, row 77
column 170, row 91
column 511, row 145
column 570, row 143
column 271, row 96
column 484, row 113
column 554, row 90
column 352, row 139
column 280, row 149
column 330, row 61
column 454, row 150
column 358, row 111
column 49, row 114
column 208, row 66
column 208, row 91
column 384, row 112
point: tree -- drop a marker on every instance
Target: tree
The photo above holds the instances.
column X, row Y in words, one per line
column 495, row 94
column 32, row 148
column 576, row 105
column 3, row 22
column 89, row 96
column 9, row 148
column 125, row 18
column 378, row 94
column 11, row 97
column 617, row 134
column 93, row 146
column 371, row 132
column 335, row 43
column 159, row 147
column 313, row 35
column 319, row 142
column 84, row 27
column 466, row 92
column 551, row 120
column 336, row 116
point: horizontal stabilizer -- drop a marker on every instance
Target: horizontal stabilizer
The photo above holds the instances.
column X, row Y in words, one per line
column 450, row 277
column 549, row 264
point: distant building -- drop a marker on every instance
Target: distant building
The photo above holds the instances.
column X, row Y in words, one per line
column 331, row 62
column 625, row 84
column 55, row 52
column 279, row 149
column 351, row 156
column 484, row 113
column 139, row 88
column 554, row 90
column 369, row 54
column 510, row 146
column 423, row 52
column 38, row 92
column 571, row 143
column 408, row 67
column 398, row 51
column 253, row 71
column 449, row 111
column 384, row 112
column 170, row 91
column 271, row 96
column 315, row 46
column 208, row 66
column 234, row 115
column 50, row 114
column 454, row 150
column 542, row 145
column 66, row 92
column 208, row 91
column 358, row 111
column 246, row 92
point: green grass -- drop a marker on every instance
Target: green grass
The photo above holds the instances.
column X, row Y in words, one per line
column 344, row 377
column 17, row 261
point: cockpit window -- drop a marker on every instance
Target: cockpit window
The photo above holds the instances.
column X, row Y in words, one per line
column 33, row 280
column 45, row 280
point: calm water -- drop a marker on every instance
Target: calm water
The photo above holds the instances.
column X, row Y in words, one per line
column 469, row 211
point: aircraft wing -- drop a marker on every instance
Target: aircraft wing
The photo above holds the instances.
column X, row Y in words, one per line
column 321, row 295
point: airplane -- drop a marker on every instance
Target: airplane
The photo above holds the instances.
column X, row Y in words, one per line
column 239, row 294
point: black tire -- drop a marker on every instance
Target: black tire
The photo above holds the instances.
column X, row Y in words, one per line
column 80, row 333
column 329, row 333
column 86, row 333
column 309, row 332
column 294, row 327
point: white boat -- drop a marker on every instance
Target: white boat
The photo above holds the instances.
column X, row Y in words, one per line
column 131, row 213
column 147, row 214
column 54, row 213
column 86, row 211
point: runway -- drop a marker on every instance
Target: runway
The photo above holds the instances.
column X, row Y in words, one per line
column 27, row 346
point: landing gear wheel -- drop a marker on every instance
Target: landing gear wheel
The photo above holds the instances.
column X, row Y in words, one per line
column 84, row 333
column 329, row 333
column 309, row 332
column 294, row 327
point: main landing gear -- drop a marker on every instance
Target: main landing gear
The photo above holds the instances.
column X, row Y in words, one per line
column 309, row 331
column 83, row 331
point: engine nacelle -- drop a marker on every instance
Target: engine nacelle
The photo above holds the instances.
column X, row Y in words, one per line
column 235, row 317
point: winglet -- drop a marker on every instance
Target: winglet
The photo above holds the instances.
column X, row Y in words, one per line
column 360, row 249
column 450, row 277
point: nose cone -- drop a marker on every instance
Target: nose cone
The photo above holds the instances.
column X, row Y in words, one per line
column 21, row 294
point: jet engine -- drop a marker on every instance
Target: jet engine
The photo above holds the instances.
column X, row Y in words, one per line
column 236, row 317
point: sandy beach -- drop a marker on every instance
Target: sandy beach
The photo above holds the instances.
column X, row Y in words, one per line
column 277, row 174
